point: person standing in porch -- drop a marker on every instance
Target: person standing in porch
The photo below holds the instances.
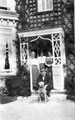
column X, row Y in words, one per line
column 48, row 63
column 33, row 66
column 41, row 59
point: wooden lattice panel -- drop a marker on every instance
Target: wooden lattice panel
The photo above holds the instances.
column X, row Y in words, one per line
column 68, row 24
column 45, row 19
column 24, row 54
column 67, row 15
column 57, row 48
column 30, row 18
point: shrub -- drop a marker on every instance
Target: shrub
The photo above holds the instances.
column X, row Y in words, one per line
column 19, row 85
column 69, row 84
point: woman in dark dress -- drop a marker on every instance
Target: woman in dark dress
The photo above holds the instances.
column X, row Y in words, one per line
column 48, row 63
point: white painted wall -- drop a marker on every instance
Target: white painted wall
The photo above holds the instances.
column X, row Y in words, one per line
column 11, row 5
column 3, row 3
column 7, row 36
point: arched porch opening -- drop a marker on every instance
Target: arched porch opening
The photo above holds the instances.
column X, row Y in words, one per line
column 41, row 43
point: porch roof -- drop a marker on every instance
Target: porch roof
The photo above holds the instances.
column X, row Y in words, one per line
column 41, row 32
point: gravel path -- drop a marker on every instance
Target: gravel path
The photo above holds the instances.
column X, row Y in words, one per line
column 31, row 109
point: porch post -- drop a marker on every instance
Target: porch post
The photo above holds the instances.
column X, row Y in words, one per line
column 58, row 60
column 31, row 85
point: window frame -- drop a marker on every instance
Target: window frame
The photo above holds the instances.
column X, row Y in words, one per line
column 46, row 9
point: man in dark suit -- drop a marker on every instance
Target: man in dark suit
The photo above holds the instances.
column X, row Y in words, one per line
column 43, row 77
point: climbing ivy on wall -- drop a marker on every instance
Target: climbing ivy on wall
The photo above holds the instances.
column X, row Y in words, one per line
column 68, row 24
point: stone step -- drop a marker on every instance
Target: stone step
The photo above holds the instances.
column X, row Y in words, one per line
column 58, row 95
column 54, row 95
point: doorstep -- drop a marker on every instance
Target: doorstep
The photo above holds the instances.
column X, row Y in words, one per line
column 58, row 95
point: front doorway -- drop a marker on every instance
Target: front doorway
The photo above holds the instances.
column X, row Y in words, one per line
column 41, row 45
column 49, row 39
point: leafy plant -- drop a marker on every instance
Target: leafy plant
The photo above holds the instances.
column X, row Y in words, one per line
column 19, row 85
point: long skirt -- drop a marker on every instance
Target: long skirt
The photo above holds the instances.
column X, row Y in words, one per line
column 35, row 74
column 49, row 71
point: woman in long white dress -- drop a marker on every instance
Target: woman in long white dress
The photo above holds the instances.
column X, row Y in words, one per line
column 34, row 69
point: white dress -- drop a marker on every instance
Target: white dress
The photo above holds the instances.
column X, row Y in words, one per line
column 41, row 61
column 34, row 69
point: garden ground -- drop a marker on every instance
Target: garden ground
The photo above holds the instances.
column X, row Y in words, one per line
column 30, row 109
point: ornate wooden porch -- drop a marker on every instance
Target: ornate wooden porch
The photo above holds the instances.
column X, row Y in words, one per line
column 61, row 16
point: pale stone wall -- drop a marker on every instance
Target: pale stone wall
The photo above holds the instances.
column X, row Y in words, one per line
column 8, row 36
column 3, row 3
column 11, row 6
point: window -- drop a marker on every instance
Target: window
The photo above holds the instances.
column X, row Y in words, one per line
column 7, row 66
column 45, row 5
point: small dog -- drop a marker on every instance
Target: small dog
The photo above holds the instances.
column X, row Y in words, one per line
column 42, row 92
